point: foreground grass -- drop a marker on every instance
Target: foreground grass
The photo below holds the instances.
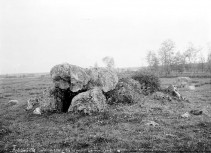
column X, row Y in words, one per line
column 121, row 129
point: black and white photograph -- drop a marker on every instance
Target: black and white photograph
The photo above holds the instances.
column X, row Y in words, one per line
column 105, row 76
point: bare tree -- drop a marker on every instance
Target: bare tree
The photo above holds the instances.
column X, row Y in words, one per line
column 109, row 61
column 191, row 56
column 178, row 62
column 152, row 61
column 191, row 53
column 209, row 62
column 209, row 58
column 149, row 58
column 166, row 53
column 201, row 62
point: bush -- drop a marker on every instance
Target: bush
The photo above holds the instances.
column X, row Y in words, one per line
column 149, row 82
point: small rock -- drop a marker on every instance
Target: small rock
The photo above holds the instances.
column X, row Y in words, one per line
column 152, row 123
column 161, row 96
column 29, row 105
column 32, row 102
column 196, row 112
column 173, row 91
column 13, row 102
column 191, row 87
column 37, row 111
column 186, row 115
column 171, row 135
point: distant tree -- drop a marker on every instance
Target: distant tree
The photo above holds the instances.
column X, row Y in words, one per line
column 155, row 63
column 179, row 62
column 149, row 58
column 201, row 62
column 209, row 62
column 191, row 56
column 109, row 61
column 166, row 53
column 209, row 58
column 190, row 53
column 152, row 60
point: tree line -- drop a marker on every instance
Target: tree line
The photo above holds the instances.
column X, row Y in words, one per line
column 167, row 59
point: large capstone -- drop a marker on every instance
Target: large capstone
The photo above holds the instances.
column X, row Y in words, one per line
column 89, row 102
column 69, row 76
column 72, row 82
column 103, row 78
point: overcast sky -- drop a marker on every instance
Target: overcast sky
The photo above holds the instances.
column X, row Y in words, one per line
column 35, row 35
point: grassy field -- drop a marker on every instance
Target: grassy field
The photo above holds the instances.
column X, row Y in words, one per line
column 122, row 128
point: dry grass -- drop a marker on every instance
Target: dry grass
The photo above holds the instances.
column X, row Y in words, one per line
column 121, row 129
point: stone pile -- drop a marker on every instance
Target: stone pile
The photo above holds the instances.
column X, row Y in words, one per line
column 89, row 91
column 77, row 89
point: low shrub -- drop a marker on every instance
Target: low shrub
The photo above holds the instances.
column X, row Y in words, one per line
column 149, row 82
